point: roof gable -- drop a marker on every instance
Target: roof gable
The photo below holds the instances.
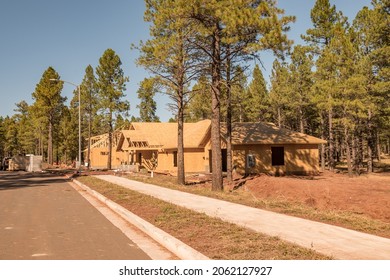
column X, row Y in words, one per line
column 164, row 135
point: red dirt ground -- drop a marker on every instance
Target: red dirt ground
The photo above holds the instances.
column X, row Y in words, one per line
column 365, row 194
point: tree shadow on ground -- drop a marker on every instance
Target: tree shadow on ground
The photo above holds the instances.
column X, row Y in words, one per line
column 17, row 180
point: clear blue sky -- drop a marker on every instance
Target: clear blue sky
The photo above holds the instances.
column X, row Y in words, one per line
column 70, row 34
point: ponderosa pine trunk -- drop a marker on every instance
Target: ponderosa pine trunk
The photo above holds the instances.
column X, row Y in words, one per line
column 370, row 144
column 322, row 145
column 378, row 147
column 89, row 143
column 50, row 144
column 229, row 150
column 217, row 179
column 348, row 153
column 110, row 130
column 279, row 118
column 331, row 140
column 354, row 153
column 301, row 121
column 180, row 141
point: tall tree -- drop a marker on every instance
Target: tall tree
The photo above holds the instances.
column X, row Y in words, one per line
column 219, row 24
column 11, row 145
column 89, row 105
column 2, row 138
column 324, row 18
column 212, row 25
column 169, row 56
column 257, row 100
column 348, row 90
column 48, row 104
column 371, row 29
column 111, row 85
column 239, row 93
column 235, row 82
column 301, row 81
column 280, row 82
column 25, row 128
column 68, row 133
column 325, row 97
column 147, row 107
column 199, row 103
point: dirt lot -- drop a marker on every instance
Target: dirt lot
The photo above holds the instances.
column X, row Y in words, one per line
column 366, row 194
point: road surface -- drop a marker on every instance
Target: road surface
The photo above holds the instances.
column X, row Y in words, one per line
column 43, row 217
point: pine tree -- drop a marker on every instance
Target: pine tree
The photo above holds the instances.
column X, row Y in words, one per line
column 371, row 29
column 220, row 25
column 25, row 128
column 324, row 17
column 324, row 96
column 198, row 107
column 169, row 56
column 211, row 27
column 239, row 94
column 147, row 107
column 68, row 133
column 111, row 85
column 301, row 81
column 280, row 87
column 257, row 100
column 11, row 145
column 89, row 108
column 48, row 104
column 2, row 139
column 349, row 91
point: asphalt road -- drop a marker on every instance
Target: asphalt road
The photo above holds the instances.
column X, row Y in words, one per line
column 43, row 217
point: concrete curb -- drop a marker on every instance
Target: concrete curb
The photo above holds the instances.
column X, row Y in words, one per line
column 180, row 249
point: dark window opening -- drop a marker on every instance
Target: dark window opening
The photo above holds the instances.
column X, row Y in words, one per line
column 140, row 158
column 174, row 159
column 277, row 156
column 224, row 160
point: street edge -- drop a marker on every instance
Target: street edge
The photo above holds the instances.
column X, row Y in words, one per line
column 177, row 247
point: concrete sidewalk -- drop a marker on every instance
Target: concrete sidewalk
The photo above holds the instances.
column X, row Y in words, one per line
column 337, row 242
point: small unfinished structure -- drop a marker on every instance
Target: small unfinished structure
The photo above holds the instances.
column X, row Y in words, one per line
column 257, row 148
column 30, row 163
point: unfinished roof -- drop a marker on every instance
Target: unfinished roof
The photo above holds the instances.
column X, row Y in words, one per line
column 101, row 141
column 267, row 133
column 164, row 135
column 152, row 136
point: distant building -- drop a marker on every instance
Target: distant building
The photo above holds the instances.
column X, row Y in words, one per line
column 28, row 163
column 257, row 148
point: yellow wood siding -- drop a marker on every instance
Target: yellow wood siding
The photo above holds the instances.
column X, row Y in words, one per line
column 299, row 159
column 99, row 158
column 193, row 161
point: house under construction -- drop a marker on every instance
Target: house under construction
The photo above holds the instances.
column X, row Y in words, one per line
column 257, row 148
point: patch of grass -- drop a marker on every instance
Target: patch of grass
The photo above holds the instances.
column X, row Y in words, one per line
column 345, row 219
column 211, row 236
